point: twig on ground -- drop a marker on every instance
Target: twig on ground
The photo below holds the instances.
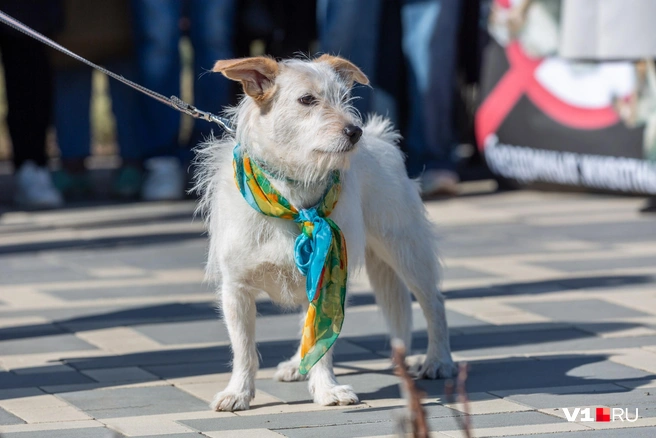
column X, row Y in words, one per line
column 463, row 420
column 411, row 392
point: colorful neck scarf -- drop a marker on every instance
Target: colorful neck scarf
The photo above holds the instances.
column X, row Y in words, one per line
column 319, row 253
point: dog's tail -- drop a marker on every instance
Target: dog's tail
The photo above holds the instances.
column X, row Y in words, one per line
column 209, row 156
column 381, row 128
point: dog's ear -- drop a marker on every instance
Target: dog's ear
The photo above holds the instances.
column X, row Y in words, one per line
column 257, row 75
column 346, row 69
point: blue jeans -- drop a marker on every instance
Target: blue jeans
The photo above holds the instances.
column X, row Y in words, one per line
column 72, row 112
column 430, row 29
column 157, row 36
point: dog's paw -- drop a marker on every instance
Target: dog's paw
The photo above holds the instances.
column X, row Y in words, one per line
column 288, row 372
column 434, row 369
column 340, row 395
column 231, row 401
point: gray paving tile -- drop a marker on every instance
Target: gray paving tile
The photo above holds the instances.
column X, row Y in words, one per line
column 489, row 247
column 35, row 269
column 60, row 314
column 634, row 432
column 460, row 273
column 29, row 331
column 590, row 283
column 127, row 402
column 591, row 310
column 610, row 232
column 167, row 256
column 187, row 369
column 46, row 275
column 44, row 344
column 43, row 378
column 123, row 375
column 575, row 344
column 175, row 435
column 581, row 265
column 380, row 428
column 143, row 291
column 279, row 328
column 164, row 357
column 643, row 399
column 455, row 320
column 89, row 432
column 496, row 420
column 7, row 418
column 50, row 368
column 186, row 332
column 97, row 317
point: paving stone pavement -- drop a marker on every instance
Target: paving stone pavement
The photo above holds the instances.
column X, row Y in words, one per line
column 107, row 328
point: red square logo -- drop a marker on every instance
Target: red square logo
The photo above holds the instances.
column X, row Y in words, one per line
column 603, row 414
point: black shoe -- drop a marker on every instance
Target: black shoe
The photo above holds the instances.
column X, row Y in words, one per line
column 650, row 207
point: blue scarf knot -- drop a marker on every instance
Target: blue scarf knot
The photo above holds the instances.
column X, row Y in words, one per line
column 311, row 248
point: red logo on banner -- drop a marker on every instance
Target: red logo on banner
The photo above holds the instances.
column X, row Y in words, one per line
column 520, row 80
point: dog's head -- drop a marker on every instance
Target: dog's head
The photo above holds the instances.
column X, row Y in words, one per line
column 297, row 115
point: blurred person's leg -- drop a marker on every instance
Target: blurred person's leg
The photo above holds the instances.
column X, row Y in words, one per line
column 351, row 28
column 29, row 88
column 157, row 37
column 430, row 45
column 73, row 127
column 130, row 133
column 212, row 35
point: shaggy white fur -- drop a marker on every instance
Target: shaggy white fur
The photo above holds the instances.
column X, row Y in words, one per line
column 379, row 211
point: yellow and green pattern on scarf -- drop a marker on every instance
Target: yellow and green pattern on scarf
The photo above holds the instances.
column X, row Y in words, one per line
column 319, row 253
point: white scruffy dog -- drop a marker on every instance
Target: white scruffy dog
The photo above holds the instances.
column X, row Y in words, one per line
column 296, row 116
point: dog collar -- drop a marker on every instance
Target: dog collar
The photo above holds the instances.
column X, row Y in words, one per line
column 319, row 253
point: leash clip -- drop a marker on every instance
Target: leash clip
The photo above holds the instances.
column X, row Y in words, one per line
column 194, row 112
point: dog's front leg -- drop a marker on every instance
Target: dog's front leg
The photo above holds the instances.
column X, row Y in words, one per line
column 324, row 387
column 238, row 305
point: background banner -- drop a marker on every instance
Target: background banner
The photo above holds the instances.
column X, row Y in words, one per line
column 544, row 118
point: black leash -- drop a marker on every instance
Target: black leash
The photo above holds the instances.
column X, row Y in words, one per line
column 174, row 101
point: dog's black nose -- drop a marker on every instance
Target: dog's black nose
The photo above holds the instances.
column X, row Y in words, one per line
column 353, row 133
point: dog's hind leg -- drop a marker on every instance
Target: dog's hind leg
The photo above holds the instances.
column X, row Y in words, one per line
column 288, row 370
column 392, row 296
column 324, row 387
column 238, row 305
column 414, row 260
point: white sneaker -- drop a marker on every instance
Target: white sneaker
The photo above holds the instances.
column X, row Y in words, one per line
column 34, row 188
column 164, row 179
column 439, row 182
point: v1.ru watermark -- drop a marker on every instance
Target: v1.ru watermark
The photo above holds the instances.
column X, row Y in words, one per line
column 601, row 414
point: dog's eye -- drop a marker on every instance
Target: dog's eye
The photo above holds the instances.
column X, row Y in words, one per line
column 307, row 100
